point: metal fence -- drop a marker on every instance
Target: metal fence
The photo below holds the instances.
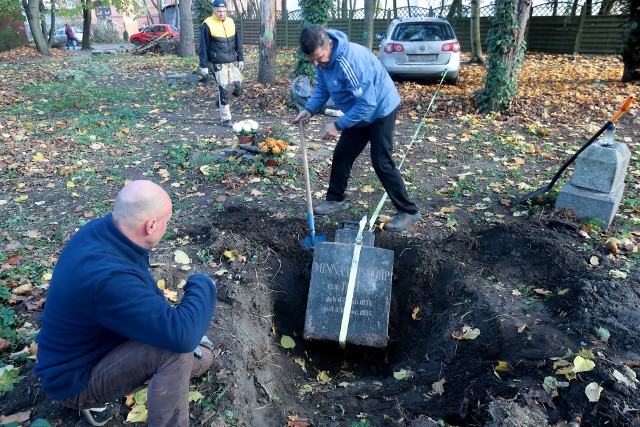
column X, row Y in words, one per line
column 554, row 27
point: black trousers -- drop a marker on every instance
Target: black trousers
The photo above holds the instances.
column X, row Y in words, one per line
column 351, row 143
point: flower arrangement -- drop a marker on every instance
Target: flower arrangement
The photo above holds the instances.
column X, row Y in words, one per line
column 245, row 127
column 273, row 146
column 273, row 131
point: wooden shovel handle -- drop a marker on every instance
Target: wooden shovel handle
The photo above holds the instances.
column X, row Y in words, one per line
column 622, row 109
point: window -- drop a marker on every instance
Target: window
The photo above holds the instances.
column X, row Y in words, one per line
column 423, row 32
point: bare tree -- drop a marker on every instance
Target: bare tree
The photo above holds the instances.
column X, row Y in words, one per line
column 476, row 40
column 187, row 46
column 506, row 46
column 369, row 13
column 32, row 10
column 267, row 66
column 455, row 9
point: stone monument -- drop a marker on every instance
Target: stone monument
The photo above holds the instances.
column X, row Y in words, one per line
column 597, row 184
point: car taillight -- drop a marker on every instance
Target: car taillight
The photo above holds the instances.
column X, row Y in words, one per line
column 393, row 47
column 451, row 47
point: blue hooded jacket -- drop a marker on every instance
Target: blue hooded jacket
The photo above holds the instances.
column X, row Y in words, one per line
column 101, row 294
column 356, row 81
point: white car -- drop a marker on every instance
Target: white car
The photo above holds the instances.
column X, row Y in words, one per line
column 420, row 48
column 60, row 37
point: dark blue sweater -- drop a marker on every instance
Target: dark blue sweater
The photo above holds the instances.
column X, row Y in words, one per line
column 102, row 294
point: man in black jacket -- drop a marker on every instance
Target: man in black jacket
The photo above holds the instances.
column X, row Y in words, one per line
column 221, row 51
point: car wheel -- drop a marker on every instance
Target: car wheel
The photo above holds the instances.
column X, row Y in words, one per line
column 454, row 81
column 136, row 42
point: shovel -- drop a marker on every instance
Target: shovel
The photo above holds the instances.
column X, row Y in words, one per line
column 612, row 120
column 309, row 241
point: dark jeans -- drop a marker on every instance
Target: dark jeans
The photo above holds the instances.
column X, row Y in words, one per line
column 129, row 366
column 351, row 143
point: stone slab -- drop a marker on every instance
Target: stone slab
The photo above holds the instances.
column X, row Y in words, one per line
column 588, row 204
column 601, row 167
column 191, row 78
column 369, row 321
column 348, row 235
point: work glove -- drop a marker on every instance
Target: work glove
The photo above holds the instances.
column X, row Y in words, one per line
column 304, row 115
column 206, row 342
column 204, row 71
column 240, row 65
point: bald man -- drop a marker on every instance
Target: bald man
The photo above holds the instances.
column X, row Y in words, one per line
column 107, row 328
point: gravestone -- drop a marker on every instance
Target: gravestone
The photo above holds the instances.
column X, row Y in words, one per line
column 330, row 271
column 597, row 184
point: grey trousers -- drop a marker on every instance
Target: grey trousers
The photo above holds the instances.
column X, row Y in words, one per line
column 127, row 367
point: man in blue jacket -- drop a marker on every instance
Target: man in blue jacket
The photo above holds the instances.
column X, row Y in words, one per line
column 220, row 49
column 107, row 327
column 363, row 90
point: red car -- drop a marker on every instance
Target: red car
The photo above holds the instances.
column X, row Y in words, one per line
column 150, row 31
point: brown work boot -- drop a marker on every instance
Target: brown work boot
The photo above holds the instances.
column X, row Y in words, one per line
column 402, row 220
column 202, row 362
column 330, row 206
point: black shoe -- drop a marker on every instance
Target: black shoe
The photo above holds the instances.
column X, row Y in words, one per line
column 227, row 123
column 402, row 220
column 329, row 207
column 100, row 416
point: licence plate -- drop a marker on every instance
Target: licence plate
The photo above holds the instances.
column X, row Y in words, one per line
column 422, row 58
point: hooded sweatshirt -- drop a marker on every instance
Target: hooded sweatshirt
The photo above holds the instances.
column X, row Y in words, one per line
column 356, row 81
column 102, row 294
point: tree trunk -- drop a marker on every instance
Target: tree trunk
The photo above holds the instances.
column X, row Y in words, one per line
column 267, row 66
column 606, row 7
column 369, row 13
column 395, row 9
column 32, row 10
column 506, row 46
column 631, row 48
column 187, row 47
column 86, row 25
column 574, row 8
column 52, row 29
column 476, row 40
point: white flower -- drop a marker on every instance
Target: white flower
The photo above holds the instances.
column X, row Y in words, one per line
column 246, row 127
column 237, row 127
column 253, row 124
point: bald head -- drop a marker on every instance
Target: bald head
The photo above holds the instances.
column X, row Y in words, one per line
column 142, row 211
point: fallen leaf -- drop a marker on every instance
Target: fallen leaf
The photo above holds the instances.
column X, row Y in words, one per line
column 542, row 292
column 180, row 257
column 521, row 327
column 450, row 209
column 18, row 417
column 580, row 364
column 593, row 391
column 323, row 377
column 594, row 260
column 367, row 189
column 402, row 374
column 301, row 362
column 414, row 313
column 287, row 342
column 438, row 386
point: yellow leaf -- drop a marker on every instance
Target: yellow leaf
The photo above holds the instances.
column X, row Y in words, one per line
column 170, row 295
column 301, row 362
column 195, row 396
column 580, row 364
column 234, row 255
column 205, row 169
column 75, row 195
column 39, row 157
column 161, row 283
column 367, row 189
column 502, row 366
column 414, row 313
column 46, row 277
column 287, row 342
column 21, row 198
column 180, row 257
column 450, row 209
column 323, row 377
column 70, row 184
column 305, row 389
column 138, row 414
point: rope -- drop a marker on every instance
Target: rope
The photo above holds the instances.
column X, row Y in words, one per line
column 376, row 212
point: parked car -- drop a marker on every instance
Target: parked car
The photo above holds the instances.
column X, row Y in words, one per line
column 420, row 48
column 60, row 37
column 150, row 31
